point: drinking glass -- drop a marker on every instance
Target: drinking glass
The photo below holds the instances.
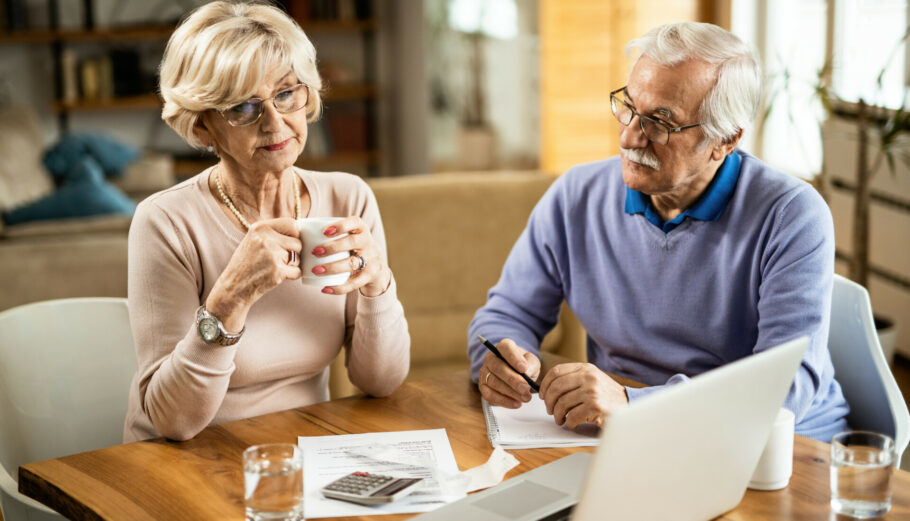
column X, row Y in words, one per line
column 862, row 463
column 273, row 482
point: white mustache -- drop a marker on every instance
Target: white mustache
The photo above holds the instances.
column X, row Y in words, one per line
column 642, row 156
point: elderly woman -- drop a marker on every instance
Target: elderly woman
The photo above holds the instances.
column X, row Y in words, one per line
column 223, row 328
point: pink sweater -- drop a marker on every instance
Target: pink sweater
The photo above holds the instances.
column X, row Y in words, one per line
column 179, row 243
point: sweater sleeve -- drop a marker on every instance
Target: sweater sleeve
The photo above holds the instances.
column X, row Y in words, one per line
column 797, row 270
column 377, row 341
column 524, row 303
column 182, row 379
column 797, row 266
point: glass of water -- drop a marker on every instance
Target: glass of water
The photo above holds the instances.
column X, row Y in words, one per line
column 862, row 463
column 273, row 482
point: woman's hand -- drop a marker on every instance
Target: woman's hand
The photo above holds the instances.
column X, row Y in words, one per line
column 261, row 262
column 370, row 275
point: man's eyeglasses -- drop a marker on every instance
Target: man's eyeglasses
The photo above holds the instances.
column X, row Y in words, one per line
column 286, row 101
column 654, row 129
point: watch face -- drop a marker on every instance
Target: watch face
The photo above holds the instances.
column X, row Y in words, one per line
column 208, row 328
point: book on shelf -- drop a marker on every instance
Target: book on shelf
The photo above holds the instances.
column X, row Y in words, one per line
column 89, row 83
column 115, row 74
column 126, row 73
column 96, row 78
column 69, row 70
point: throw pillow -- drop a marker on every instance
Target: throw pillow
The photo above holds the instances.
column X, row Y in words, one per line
column 90, row 195
column 111, row 155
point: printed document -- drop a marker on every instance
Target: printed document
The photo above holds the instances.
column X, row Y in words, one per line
column 530, row 427
column 424, row 454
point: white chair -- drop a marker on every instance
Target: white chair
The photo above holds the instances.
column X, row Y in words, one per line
column 876, row 403
column 65, row 372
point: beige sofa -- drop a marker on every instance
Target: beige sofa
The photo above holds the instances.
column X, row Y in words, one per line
column 448, row 236
column 43, row 260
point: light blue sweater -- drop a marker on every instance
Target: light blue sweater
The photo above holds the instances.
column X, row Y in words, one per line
column 748, row 267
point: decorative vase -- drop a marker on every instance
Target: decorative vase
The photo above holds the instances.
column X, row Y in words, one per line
column 477, row 148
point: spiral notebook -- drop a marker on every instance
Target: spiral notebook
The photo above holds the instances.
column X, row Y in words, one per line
column 530, row 427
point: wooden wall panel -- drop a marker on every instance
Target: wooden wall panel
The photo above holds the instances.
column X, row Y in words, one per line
column 581, row 61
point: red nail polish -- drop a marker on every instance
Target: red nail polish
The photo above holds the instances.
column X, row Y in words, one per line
column 319, row 270
column 330, row 231
column 318, row 250
column 328, row 291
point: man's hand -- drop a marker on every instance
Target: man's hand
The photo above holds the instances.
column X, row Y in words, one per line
column 580, row 393
column 502, row 386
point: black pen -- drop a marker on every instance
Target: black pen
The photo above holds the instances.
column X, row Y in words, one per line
column 489, row 345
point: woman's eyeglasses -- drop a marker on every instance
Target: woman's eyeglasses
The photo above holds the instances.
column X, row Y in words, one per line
column 286, row 101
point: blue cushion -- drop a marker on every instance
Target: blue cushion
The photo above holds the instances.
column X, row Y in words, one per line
column 86, row 194
column 111, row 155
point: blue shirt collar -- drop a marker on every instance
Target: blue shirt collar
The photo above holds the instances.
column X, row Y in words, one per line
column 709, row 207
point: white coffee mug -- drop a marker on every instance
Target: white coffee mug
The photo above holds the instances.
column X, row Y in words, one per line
column 776, row 463
column 311, row 234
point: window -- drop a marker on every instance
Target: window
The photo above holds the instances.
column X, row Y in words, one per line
column 793, row 39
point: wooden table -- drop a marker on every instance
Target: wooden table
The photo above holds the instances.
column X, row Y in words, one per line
column 202, row 478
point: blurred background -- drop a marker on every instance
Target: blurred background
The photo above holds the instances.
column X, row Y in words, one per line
column 420, row 87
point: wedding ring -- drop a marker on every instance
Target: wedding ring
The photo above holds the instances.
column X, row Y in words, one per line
column 487, row 379
column 363, row 263
column 292, row 258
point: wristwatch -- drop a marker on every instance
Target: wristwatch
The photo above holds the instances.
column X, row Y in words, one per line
column 212, row 330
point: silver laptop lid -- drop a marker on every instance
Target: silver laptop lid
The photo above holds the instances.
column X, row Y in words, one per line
column 687, row 453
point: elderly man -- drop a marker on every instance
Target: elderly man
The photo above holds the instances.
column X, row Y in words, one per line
column 681, row 255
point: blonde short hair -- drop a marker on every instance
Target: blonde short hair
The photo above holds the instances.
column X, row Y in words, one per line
column 222, row 53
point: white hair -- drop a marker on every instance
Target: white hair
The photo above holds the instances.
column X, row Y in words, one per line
column 733, row 101
column 222, row 53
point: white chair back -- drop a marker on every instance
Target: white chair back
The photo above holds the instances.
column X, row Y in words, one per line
column 876, row 403
column 65, row 371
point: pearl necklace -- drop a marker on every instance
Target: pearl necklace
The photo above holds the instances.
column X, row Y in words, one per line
column 233, row 209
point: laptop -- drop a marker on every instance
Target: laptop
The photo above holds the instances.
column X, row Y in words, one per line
column 685, row 453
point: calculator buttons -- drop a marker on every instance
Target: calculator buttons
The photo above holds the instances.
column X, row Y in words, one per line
column 368, row 489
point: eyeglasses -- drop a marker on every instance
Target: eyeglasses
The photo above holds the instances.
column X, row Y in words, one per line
column 286, row 101
column 654, row 129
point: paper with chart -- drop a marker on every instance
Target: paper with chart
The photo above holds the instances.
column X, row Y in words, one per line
column 530, row 427
column 426, row 454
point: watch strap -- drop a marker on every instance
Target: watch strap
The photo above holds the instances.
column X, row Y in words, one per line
column 224, row 337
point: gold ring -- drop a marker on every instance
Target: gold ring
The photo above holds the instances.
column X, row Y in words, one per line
column 487, row 379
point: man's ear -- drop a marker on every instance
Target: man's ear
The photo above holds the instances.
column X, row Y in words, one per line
column 725, row 146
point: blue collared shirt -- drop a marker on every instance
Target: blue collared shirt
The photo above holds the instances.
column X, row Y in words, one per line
column 708, row 207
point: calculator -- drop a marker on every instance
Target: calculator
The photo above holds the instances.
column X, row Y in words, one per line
column 369, row 489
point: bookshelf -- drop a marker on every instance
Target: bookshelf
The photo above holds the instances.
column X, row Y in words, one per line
column 79, row 54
